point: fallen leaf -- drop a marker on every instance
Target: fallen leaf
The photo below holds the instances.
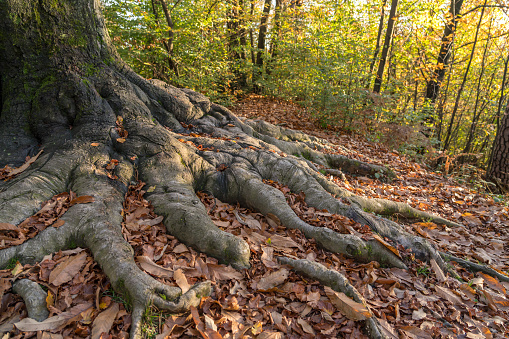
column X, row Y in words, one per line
column 386, row 244
column 419, row 314
column 272, row 280
column 23, row 167
column 8, row 227
column 67, row 269
column 438, row 271
column 305, row 326
column 31, row 325
column 84, row 199
column 449, row 295
column 104, row 321
column 94, row 144
column 151, row 267
column 493, row 282
column 50, row 299
column 181, row 280
column 121, row 140
column 58, row 223
column 351, row 309
column 17, row 269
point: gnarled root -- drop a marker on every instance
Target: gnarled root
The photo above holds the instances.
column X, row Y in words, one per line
column 34, row 297
column 338, row 283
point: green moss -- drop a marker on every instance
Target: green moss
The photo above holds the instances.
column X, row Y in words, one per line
column 11, row 263
column 123, row 294
column 306, row 154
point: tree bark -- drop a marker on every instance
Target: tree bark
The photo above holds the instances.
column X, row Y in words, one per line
column 262, row 33
column 435, row 82
column 499, row 164
column 378, row 37
column 462, row 85
column 171, row 37
column 387, row 45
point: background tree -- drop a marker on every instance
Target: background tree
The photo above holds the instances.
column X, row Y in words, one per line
column 387, row 44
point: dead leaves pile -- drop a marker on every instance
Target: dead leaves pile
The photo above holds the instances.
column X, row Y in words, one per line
column 48, row 215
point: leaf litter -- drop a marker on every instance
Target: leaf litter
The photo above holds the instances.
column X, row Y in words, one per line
column 421, row 302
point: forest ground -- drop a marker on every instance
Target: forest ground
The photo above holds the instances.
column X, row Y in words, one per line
column 269, row 300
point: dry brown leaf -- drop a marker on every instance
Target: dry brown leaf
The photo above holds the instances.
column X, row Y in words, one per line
column 151, row 222
column 58, row 223
column 8, row 227
column 386, row 244
column 272, row 280
column 23, row 167
column 419, row 314
column 222, row 272
column 305, row 326
column 273, row 220
column 351, row 309
column 270, row 335
column 493, row 282
column 84, row 199
column 449, row 295
column 181, row 280
column 104, row 321
column 31, row 325
column 67, row 269
column 438, row 271
column 415, row 332
column 151, row 267
column 48, row 335
column 469, row 291
column 209, row 323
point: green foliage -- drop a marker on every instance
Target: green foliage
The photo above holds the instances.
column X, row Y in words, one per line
column 319, row 54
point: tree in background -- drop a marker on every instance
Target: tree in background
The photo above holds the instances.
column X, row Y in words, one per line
column 387, row 44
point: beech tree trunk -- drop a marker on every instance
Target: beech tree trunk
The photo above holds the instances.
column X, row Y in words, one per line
column 66, row 92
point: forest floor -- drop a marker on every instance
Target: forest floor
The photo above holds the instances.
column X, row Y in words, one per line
column 269, row 300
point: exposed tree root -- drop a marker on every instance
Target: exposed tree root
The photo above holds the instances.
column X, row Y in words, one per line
column 34, row 297
column 338, row 283
column 473, row 267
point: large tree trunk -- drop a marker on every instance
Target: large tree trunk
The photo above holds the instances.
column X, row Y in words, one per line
column 65, row 91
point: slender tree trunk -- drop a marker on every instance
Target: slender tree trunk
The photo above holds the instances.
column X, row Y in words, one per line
column 164, row 40
column 171, row 37
column 462, row 86
column 275, row 35
column 385, row 49
column 235, row 47
column 434, row 83
column 378, row 37
column 251, row 35
column 477, row 114
column 263, row 33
